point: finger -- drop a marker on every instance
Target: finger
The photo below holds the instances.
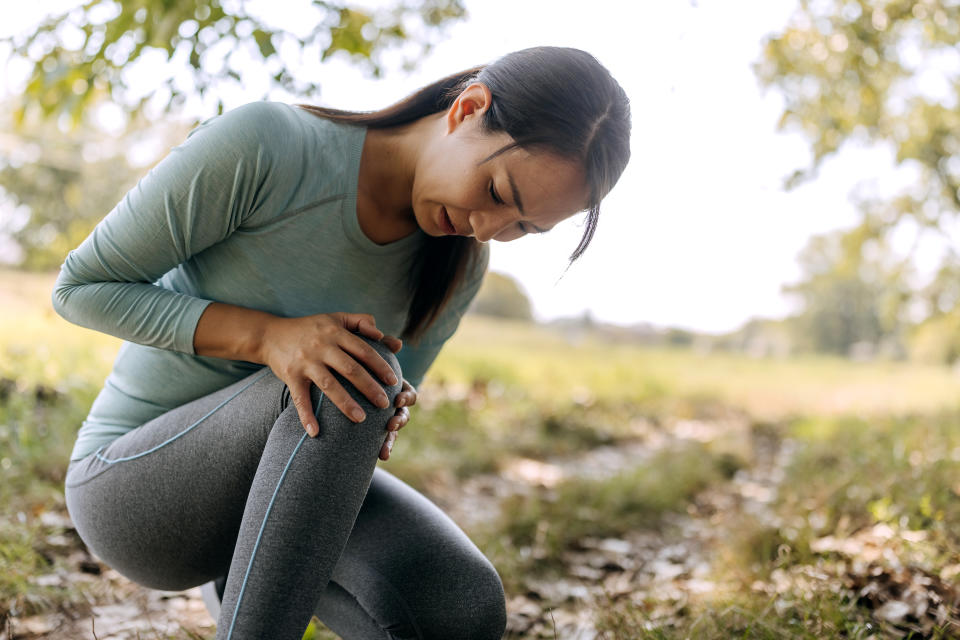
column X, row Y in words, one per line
column 335, row 392
column 406, row 387
column 400, row 418
column 366, row 354
column 300, row 394
column 404, row 418
column 405, row 399
column 387, row 446
column 391, row 438
column 394, row 344
column 363, row 323
column 361, row 379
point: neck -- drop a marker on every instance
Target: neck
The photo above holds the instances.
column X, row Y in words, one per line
column 385, row 184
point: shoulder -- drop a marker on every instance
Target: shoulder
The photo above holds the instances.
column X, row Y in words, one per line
column 478, row 268
column 260, row 123
column 283, row 137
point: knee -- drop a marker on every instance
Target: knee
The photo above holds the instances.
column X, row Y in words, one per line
column 489, row 609
column 376, row 417
column 480, row 612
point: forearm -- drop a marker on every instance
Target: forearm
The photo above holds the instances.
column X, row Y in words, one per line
column 231, row 332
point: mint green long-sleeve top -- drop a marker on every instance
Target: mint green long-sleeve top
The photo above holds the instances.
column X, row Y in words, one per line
column 257, row 208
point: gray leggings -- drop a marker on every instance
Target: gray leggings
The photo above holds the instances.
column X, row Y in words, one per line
column 230, row 484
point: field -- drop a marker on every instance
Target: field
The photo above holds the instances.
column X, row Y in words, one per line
column 621, row 491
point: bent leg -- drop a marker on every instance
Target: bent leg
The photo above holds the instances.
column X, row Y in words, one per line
column 408, row 571
column 302, row 506
column 229, row 481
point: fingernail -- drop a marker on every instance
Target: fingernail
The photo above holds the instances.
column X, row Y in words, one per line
column 392, row 379
column 383, row 401
column 358, row 414
column 312, row 430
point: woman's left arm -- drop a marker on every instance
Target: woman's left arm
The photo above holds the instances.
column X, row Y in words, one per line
column 405, row 399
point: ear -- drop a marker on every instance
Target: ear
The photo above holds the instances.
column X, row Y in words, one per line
column 472, row 103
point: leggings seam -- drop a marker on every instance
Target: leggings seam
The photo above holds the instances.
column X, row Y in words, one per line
column 185, row 431
column 97, row 455
column 263, row 525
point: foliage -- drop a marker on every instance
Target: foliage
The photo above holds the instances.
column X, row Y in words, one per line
column 937, row 339
column 84, row 56
column 847, row 69
column 502, row 296
column 853, row 293
column 884, row 73
column 60, row 186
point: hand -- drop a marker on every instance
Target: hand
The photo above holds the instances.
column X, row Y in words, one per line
column 306, row 350
column 406, row 398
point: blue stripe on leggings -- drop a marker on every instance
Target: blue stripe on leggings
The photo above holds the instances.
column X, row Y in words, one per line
column 263, row 525
column 266, row 370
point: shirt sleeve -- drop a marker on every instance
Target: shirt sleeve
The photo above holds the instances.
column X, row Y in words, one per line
column 416, row 359
column 193, row 198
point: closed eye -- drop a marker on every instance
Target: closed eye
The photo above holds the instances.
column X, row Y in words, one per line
column 493, row 194
column 523, row 227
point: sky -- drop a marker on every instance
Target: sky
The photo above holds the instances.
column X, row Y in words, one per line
column 698, row 233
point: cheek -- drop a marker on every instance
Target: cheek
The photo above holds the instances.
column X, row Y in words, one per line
column 508, row 234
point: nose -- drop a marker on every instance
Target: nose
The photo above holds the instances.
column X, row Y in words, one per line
column 487, row 224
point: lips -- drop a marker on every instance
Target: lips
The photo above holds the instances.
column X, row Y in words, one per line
column 446, row 223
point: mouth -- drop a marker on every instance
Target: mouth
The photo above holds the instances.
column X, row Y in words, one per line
column 446, row 224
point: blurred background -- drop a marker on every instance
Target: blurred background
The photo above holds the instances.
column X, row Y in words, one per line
column 735, row 415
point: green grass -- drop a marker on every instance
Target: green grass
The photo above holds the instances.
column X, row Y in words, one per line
column 816, row 615
column 552, row 368
column 853, row 472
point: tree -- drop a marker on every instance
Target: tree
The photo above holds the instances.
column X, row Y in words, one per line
column 59, row 186
column 879, row 72
column 501, row 296
column 856, row 289
column 79, row 57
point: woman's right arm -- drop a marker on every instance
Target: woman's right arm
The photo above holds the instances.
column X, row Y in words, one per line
column 197, row 196
column 301, row 351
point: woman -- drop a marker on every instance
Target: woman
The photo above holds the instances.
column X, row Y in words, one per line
column 258, row 275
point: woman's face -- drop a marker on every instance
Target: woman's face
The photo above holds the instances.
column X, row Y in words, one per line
column 459, row 189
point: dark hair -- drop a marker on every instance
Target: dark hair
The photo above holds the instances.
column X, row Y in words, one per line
column 557, row 99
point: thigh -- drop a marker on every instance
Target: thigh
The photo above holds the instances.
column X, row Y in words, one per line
column 162, row 504
column 414, row 571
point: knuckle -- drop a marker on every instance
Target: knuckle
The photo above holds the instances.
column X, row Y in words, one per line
column 328, row 330
column 300, row 405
